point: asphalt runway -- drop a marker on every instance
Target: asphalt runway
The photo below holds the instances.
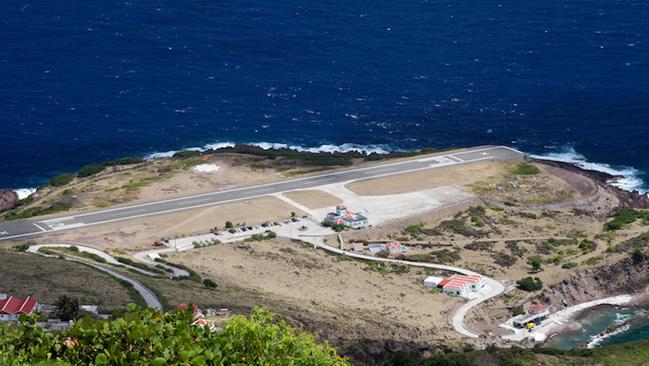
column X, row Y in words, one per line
column 24, row 228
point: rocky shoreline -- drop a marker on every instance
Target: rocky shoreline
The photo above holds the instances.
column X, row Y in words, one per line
column 628, row 199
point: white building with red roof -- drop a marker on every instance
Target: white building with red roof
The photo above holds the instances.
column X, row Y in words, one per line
column 12, row 307
column 344, row 217
column 461, row 285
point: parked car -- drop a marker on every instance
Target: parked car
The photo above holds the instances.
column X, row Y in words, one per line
column 232, row 231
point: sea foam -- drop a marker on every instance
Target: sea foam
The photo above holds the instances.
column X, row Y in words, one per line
column 630, row 180
column 24, row 192
column 327, row 148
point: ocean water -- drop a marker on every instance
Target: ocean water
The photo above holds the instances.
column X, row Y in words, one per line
column 604, row 326
column 87, row 81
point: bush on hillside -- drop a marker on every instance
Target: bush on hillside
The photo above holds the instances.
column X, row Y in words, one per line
column 128, row 160
column 187, row 154
column 530, row 284
column 526, row 169
column 89, row 170
column 149, row 337
column 61, row 180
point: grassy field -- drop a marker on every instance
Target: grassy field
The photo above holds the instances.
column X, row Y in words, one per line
column 47, row 278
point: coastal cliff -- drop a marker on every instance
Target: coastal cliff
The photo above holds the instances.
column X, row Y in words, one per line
column 8, row 199
column 628, row 199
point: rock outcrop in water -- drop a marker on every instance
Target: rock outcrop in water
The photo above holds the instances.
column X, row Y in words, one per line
column 8, row 199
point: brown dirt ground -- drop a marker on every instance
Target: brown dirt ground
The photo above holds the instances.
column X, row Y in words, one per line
column 314, row 198
column 309, row 279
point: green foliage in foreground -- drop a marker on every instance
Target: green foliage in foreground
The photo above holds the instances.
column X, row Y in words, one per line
column 627, row 354
column 525, row 169
column 624, row 217
column 148, row 337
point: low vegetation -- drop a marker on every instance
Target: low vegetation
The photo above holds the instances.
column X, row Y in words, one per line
column 627, row 354
column 39, row 211
column 61, row 180
column 148, row 337
column 525, row 169
column 530, row 284
column 89, row 170
column 625, row 217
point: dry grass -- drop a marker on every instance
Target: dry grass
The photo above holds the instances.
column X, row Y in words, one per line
column 142, row 232
column 459, row 176
column 321, row 285
column 46, row 279
column 314, row 198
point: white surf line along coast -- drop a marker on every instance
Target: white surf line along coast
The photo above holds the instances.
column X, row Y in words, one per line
column 23, row 228
column 149, row 296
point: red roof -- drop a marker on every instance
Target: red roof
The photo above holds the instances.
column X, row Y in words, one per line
column 184, row 307
column 14, row 305
column 443, row 282
column 455, row 284
column 536, row 308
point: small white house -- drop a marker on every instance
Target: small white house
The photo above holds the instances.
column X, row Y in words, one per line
column 432, row 281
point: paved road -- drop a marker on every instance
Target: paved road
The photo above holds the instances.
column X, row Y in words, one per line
column 495, row 287
column 149, row 297
column 18, row 229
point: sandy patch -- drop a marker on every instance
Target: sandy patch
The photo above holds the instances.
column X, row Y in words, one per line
column 207, row 168
column 314, row 198
column 460, row 176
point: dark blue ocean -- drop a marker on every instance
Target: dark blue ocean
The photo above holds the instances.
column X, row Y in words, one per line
column 86, row 81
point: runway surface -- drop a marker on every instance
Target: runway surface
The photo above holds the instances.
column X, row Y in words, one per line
column 24, row 228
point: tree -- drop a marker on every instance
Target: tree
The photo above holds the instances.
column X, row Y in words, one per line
column 534, row 262
column 530, row 284
column 228, row 225
column 67, row 308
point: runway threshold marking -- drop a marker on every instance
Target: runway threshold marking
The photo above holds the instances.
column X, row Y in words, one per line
column 38, row 226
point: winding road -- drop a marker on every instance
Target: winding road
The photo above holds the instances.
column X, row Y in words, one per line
column 495, row 287
column 149, row 296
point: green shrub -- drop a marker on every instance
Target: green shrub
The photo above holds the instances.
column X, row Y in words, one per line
column 21, row 247
column 530, row 284
column 148, row 337
column 185, row 154
column 61, row 180
column 569, row 265
column 128, row 160
column 525, row 169
column 209, row 283
column 624, row 217
column 89, row 170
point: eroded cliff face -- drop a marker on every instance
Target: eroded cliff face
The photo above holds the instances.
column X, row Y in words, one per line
column 620, row 278
column 8, row 199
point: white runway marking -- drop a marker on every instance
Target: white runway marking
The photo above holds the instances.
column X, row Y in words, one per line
column 38, row 226
column 4, row 233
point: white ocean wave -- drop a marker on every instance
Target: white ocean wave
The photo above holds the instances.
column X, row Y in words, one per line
column 343, row 148
column 598, row 339
column 630, row 180
column 24, row 192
